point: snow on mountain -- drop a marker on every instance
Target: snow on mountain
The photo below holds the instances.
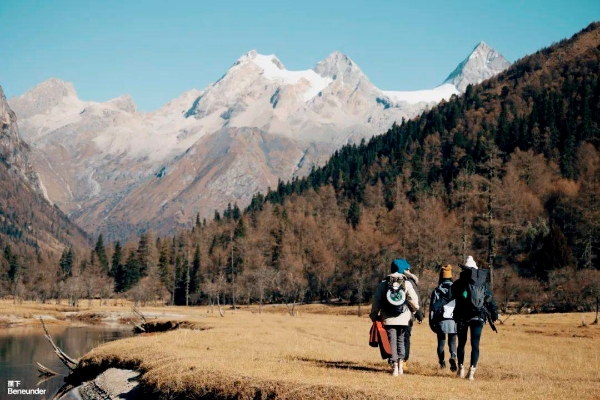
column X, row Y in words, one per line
column 442, row 92
column 119, row 170
column 483, row 63
column 340, row 67
column 273, row 69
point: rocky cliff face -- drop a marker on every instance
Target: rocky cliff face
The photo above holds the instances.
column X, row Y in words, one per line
column 14, row 152
column 27, row 217
column 483, row 63
column 120, row 171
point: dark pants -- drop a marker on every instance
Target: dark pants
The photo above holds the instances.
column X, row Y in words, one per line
column 407, row 334
column 396, row 336
column 476, row 328
column 441, row 337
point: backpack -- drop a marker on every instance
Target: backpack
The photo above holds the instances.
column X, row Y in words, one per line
column 473, row 295
column 441, row 306
column 395, row 294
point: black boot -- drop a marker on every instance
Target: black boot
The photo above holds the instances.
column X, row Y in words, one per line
column 453, row 366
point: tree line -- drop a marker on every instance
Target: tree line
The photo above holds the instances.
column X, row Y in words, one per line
column 507, row 173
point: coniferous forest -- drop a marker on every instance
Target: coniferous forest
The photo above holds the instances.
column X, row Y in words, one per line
column 509, row 173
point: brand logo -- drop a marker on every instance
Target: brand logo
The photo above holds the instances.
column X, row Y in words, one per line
column 14, row 387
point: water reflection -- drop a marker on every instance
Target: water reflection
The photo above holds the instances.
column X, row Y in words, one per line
column 21, row 348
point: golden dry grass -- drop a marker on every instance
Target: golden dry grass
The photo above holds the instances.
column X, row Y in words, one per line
column 246, row 355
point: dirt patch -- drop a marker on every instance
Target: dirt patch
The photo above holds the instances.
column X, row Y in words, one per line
column 114, row 383
column 92, row 318
column 166, row 326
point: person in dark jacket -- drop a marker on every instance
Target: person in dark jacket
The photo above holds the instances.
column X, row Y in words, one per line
column 442, row 322
column 467, row 318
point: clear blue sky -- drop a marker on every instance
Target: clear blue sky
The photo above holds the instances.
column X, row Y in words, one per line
column 156, row 50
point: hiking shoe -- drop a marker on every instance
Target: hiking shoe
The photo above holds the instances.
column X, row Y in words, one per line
column 471, row 374
column 461, row 371
column 453, row 366
column 400, row 367
column 442, row 364
column 394, row 365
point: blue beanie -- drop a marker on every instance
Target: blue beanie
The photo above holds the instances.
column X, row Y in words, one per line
column 399, row 265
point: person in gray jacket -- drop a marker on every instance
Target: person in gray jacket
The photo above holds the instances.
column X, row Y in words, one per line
column 395, row 301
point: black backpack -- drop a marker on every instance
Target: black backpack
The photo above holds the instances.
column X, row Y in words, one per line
column 474, row 291
column 440, row 297
column 395, row 294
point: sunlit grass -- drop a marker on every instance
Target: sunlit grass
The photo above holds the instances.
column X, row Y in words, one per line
column 314, row 356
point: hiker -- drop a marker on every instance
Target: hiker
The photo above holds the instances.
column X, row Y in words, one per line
column 418, row 315
column 396, row 300
column 475, row 306
column 441, row 320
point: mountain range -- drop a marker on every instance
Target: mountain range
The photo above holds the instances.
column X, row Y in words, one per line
column 118, row 171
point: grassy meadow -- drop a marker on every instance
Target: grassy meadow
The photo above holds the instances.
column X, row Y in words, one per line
column 324, row 353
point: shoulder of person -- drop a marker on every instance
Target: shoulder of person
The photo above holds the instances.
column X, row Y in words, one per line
column 409, row 285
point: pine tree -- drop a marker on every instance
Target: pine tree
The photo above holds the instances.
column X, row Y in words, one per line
column 117, row 260
column 143, row 253
column 66, row 263
column 240, row 229
column 353, row 215
column 100, row 253
column 132, row 273
column 195, row 273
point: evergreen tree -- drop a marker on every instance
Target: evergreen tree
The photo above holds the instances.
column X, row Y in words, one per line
column 117, row 260
column 13, row 264
column 132, row 273
column 66, row 263
column 240, row 229
column 196, row 269
column 353, row 215
column 143, row 253
column 236, row 213
column 100, row 253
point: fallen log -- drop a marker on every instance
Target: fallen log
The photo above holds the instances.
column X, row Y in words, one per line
column 66, row 388
column 45, row 370
column 138, row 313
column 68, row 361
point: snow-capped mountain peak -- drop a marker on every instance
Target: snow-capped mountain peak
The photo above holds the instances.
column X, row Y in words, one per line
column 483, row 63
column 44, row 97
column 339, row 66
column 123, row 103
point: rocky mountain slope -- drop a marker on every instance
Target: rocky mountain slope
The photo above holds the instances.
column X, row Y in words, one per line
column 116, row 170
column 28, row 221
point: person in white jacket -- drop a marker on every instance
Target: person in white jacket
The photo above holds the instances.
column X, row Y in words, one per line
column 395, row 307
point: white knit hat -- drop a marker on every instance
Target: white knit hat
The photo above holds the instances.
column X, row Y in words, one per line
column 471, row 263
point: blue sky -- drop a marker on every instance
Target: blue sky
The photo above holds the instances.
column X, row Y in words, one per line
column 156, row 50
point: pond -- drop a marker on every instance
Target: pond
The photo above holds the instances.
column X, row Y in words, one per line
column 21, row 348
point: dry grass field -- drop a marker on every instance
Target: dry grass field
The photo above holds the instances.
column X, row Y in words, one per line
column 316, row 355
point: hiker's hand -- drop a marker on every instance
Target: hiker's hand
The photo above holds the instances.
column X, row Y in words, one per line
column 419, row 315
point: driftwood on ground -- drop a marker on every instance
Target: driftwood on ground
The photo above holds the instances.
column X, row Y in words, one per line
column 68, row 361
column 45, row 370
